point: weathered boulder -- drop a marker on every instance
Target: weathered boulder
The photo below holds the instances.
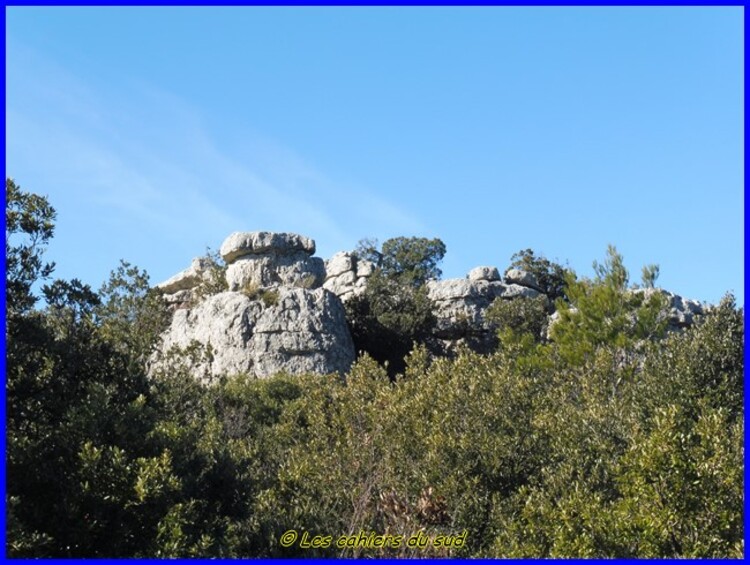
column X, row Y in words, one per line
column 518, row 291
column 461, row 304
column 178, row 290
column 240, row 244
column 296, row 331
column 346, row 275
column 484, row 274
column 191, row 277
column 296, row 269
column 263, row 259
column 680, row 312
column 522, row 278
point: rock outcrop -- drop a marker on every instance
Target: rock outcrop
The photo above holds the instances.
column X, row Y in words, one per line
column 283, row 310
column 264, row 259
column 680, row 312
column 178, row 290
column 346, row 275
column 523, row 278
column 301, row 331
column 461, row 304
column 274, row 318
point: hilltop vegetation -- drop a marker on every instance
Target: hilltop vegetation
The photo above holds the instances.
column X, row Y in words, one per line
column 611, row 439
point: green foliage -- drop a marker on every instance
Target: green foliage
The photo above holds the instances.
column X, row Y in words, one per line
column 131, row 314
column 29, row 225
column 251, row 290
column 518, row 317
column 214, row 280
column 306, row 281
column 268, row 296
column 649, row 274
column 549, row 275
column 395, row 311
column 681, row 485
column 388, row 319
column 409, row 260
column 604, row 313
column 599, row 443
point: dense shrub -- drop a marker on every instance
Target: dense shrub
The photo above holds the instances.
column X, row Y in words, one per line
column 603, row 441
column 395, row 313
column 549, row 275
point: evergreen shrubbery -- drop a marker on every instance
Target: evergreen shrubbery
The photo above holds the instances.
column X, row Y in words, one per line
column 610, row 440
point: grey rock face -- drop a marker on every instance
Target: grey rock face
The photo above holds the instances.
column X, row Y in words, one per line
column 179, row 299
column 518, row 291
column 461, row 305
column 284, row 322
column 265, row 270
column 680, row 312
column 239, row 244
column 523, row 278
column 304, row 331
column 178, row 290
column 265, row 259
column 187, row 279
column 284, row 311
column 346, row 276
column 484, row 274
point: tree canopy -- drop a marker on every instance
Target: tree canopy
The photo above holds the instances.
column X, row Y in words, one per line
column 611, row 439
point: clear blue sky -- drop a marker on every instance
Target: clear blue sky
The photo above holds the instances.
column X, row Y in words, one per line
column 156, row 132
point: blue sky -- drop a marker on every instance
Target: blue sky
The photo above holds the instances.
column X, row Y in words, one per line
column 156, row 132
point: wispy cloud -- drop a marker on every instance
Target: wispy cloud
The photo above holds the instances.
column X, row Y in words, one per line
column 148, row 161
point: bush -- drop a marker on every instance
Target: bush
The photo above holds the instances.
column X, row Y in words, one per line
column 550, row 276
column 601, row 443
column 520, row 316
column 395, row 313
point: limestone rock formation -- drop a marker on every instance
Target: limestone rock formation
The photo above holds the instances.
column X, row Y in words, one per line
column 680, row 312
column 262, row 259
column 523, row 278
column 274, row 318
column 301, row 331
column 296, row 269
column 460, row 306
column 240, row 244
column 283, row 311
column 178, row 290
column 484, row 274
column 346, row 275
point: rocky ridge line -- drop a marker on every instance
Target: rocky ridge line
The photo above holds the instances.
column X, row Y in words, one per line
column 283, row 310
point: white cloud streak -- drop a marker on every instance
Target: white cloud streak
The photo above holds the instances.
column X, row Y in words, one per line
column 145, row 157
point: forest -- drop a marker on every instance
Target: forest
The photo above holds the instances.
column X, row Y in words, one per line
column 608, row 436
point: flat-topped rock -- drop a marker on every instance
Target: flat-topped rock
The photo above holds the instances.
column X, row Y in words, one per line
column 187, row 279
column 484, row 274
column 522, row 278
column 240, row 244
